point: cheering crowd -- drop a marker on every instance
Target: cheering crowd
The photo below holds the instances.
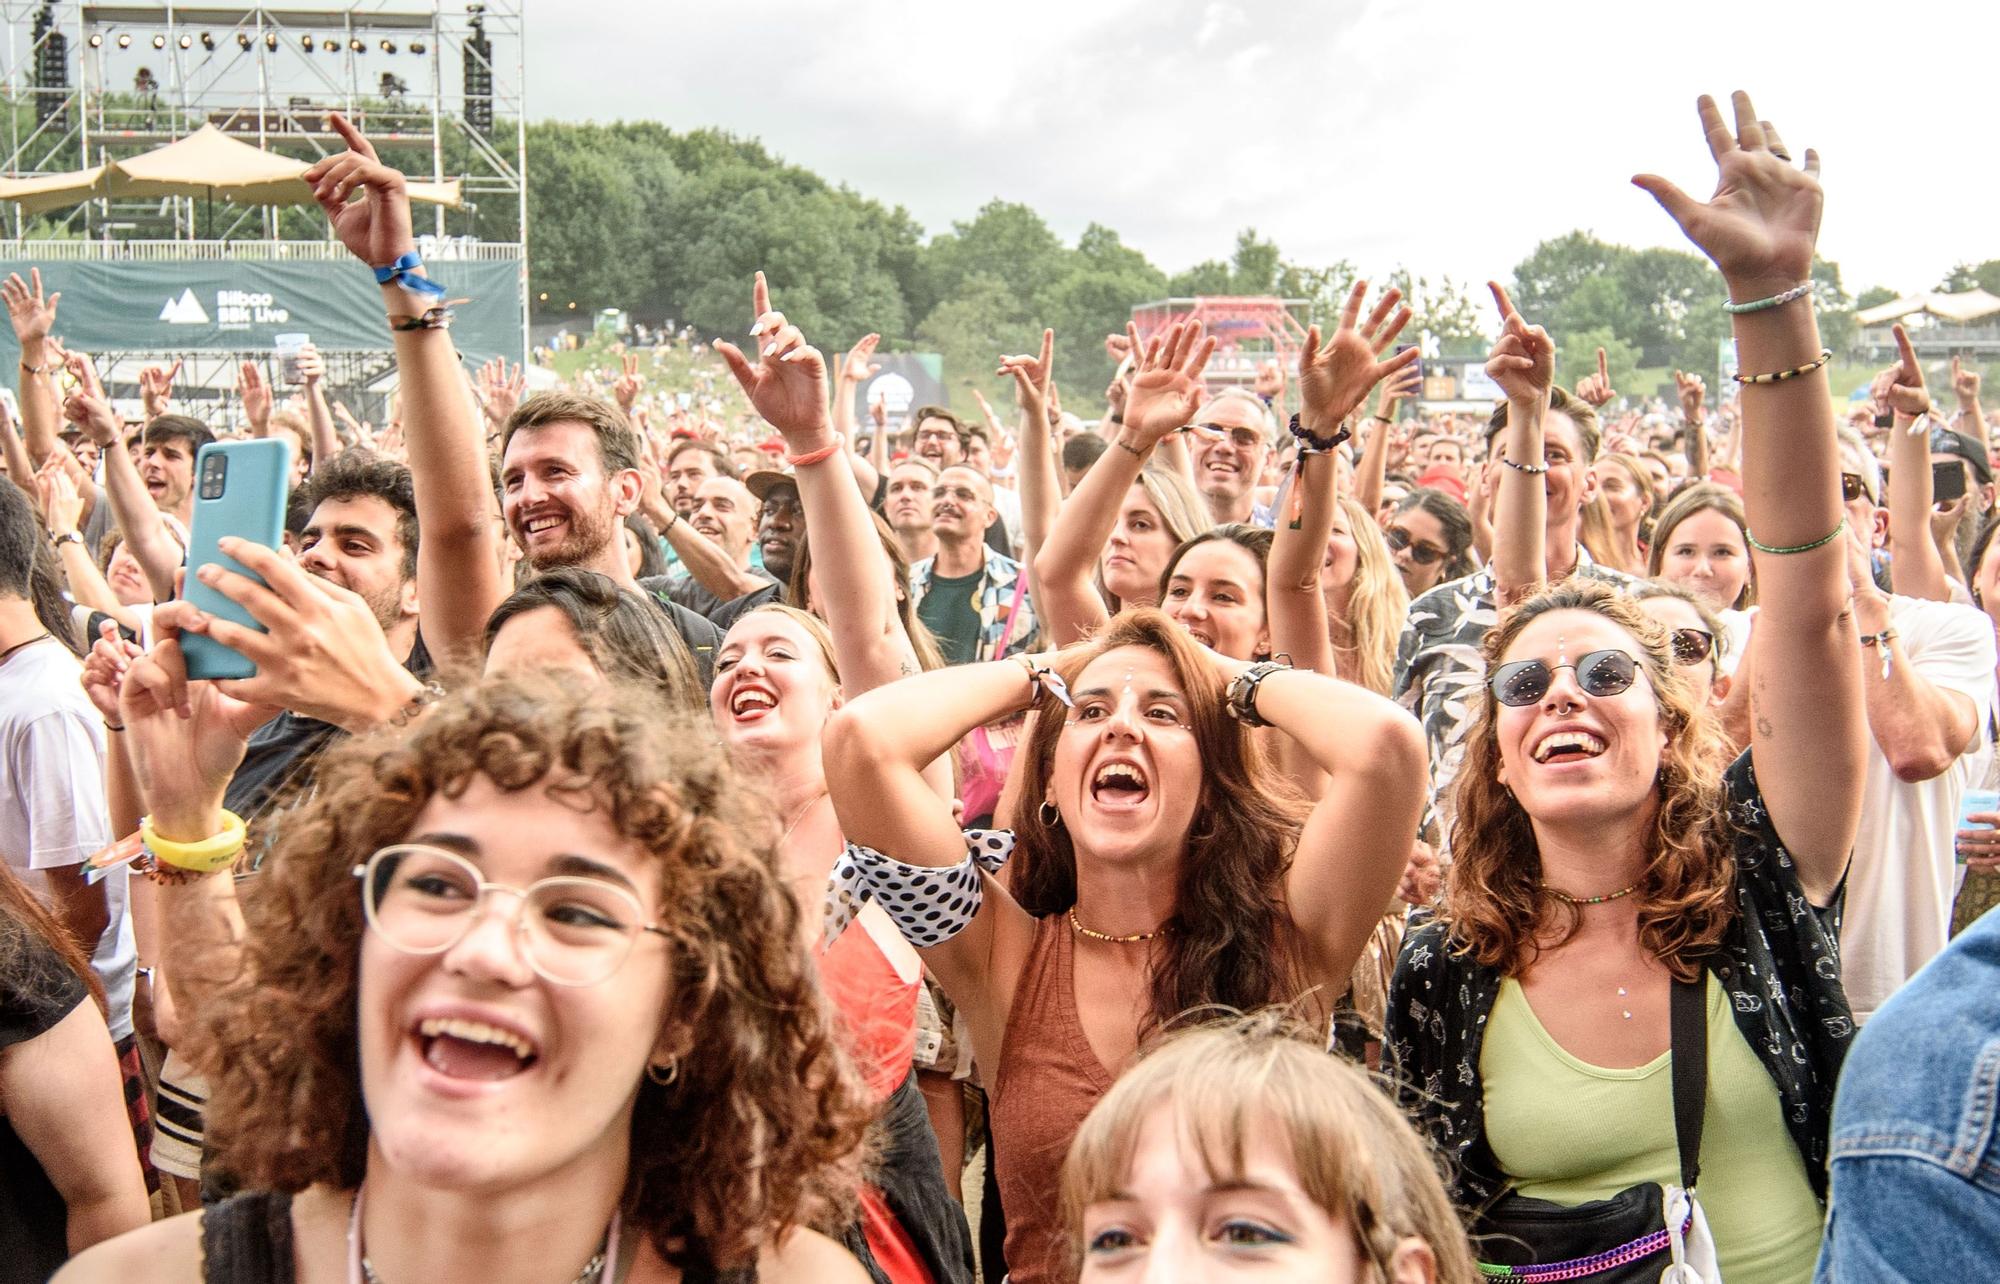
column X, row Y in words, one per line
column 658, row 843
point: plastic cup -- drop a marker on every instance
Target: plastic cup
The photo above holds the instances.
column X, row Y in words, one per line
column 287, row 347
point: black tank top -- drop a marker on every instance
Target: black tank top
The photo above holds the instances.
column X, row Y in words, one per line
column 247, row 1239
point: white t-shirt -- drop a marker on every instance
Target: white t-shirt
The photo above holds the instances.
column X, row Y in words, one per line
column 53, row 811
column 1900, row 887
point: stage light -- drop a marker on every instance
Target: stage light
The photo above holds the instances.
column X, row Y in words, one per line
column 159, row 42
column 358, row 45
column 306, row 43
column 545, row 296
column 418, row 47
column 186, row 41
column 331, row 45
column 388, row 46
column 124, row 42
column 96, row 41
column 208, row 41
column 271, row 41
column 243, row 40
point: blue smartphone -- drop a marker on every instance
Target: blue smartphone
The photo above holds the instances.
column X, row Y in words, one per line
column 239, row 489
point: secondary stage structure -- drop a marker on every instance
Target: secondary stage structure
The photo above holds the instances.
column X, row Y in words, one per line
column 437, row 84
column 1248, row 330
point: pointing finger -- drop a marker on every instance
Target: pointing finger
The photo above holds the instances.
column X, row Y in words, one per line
column 760, row 297
column 1603, row 371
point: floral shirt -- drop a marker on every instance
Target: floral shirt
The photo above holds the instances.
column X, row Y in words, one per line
column 1441, row 671
column 1778, row 962
column 1002, row 630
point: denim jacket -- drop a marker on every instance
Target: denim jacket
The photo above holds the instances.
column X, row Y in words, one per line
column 1916, row 1128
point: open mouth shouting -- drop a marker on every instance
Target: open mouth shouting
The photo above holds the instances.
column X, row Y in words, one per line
column 752, row 703
column 474, row 1051
column 1120, row 784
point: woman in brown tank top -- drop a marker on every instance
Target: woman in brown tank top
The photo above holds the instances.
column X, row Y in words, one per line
column 1167, row 867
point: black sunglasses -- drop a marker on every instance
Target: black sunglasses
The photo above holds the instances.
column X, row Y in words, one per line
column 1600, row 674
column 1399, row 539
column 1852, row 487
column 1692, row 646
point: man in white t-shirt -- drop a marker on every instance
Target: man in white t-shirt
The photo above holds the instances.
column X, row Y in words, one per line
column 1926, row 720
column 53, row 813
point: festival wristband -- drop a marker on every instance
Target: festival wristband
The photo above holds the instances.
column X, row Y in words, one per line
column 204, row 857
column 399, row 275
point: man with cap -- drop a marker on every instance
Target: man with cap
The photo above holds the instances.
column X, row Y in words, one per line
column 1961, row 451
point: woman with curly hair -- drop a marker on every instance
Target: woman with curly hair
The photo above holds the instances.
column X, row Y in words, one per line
column 1610, row 869
column 1240, row 1146
column 1166, row 865
column 519, row 996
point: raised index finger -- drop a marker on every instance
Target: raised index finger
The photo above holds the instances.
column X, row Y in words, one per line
column 1501, row 300
column 1603, row 371
column 355, row 140
column 1911, row 374
column 760, row 297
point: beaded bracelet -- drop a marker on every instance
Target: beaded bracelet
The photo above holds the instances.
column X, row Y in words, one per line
column 1825, row 355
column 1309, row 440
column 1534, row 470
column 1778, row 300
column 1777, row 550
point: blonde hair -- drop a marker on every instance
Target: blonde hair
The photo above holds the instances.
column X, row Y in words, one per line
column 1377, row 602
column 1181, row 510
column 1356, row 1156
column 1596, row 532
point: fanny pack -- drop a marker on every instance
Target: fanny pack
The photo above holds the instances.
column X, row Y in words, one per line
column 1652, row 1233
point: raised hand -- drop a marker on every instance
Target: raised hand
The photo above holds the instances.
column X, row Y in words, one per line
column 1166, row 380
column 1337, row 376
column 1965, row 384
column 104, row 670
column 186, row 739
column 1407, row 382
column 88, row 407
column 856, row 368
column 1691, row 390
column 62, row 505
column 1031, row 379
column 33, row 315
column 256, row 395
column 312, row 366
column 1762, row 223
column 626, row 390
column 787, row 386
column 878, row 414
column 1523, row 360
column 1595, row 389
column 1901, row 387
column 375, row 229
column 156, row 389
column 499, row 391
column 1270, row 382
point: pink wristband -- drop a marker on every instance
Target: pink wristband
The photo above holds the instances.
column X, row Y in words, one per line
column 812, row 457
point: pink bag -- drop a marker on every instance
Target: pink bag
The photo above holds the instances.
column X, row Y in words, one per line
column 986, row 755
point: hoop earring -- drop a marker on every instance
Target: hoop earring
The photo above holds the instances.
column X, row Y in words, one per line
column 1050, row 817
column 664, row 1076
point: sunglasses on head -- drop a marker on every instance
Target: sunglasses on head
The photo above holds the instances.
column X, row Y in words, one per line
column 1399, row 540
column 1692, row 646
column 1852, row 487
column 1600, row 674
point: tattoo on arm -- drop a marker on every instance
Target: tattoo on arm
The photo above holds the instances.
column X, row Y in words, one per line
column 1764, row 727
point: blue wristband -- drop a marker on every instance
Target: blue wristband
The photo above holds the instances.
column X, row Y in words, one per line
column 398, row 274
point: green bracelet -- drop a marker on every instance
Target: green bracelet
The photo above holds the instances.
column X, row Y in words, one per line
column 1779, row 300
column 1777, row 551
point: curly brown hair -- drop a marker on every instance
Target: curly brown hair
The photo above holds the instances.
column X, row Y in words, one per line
column 1230, row 939
column 1495, row 905
column 761, row 1130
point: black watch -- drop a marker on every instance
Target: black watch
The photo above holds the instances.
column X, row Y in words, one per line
column 1242, row 693
column 67, row 537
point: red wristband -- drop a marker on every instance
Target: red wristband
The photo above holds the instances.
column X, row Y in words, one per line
column 812, row 457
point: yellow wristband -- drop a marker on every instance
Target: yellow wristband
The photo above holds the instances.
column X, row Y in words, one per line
column 204, row 857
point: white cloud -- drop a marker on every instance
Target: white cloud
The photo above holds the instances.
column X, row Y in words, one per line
column 1446, row 136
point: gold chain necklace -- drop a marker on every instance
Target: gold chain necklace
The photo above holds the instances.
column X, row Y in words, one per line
column 1567, row 899
column 1133, row 939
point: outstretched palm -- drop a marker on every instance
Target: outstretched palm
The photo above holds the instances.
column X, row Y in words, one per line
column 1762, row 223
column 1337, row 376
column 1166, row 383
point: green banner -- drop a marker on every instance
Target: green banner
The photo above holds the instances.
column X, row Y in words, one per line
column 239, row 305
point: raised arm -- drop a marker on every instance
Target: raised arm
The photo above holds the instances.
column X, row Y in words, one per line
column 62, row 513
column 325, row 441
column 458, row 561
column 1523, row 363
column 1334, row 380
column 1808, row 729
column 1035, row 460
column 1166, row 390
column 33, row 317
column 1965, row 386
column 1919, row 567
column 1378, row 430
column 787, row 387
column 855, row 370
column 1694, row 429
column 156, row 551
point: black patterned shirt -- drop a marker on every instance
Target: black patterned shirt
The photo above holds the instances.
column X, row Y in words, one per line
column 1778, row 962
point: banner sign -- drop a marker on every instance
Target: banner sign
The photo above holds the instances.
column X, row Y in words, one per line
column 220, row 305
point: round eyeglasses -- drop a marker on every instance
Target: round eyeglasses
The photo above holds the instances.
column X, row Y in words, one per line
column 1692, row 646
column 570, row 930
column 1600, row 674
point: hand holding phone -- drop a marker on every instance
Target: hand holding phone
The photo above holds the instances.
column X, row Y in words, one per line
column 240, row 490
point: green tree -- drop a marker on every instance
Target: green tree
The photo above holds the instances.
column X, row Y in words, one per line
column 1972, row 276
column 971, row 329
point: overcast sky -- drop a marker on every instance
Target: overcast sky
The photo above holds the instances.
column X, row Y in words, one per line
column 1446, row 135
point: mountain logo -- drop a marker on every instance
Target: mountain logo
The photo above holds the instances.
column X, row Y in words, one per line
column 185, row 310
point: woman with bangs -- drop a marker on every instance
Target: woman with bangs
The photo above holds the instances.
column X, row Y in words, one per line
column 1240, row 1147
column 1609, row 869
column 1165, row 864
column 780, row 673
column 1614, row 526
column 518, row 996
